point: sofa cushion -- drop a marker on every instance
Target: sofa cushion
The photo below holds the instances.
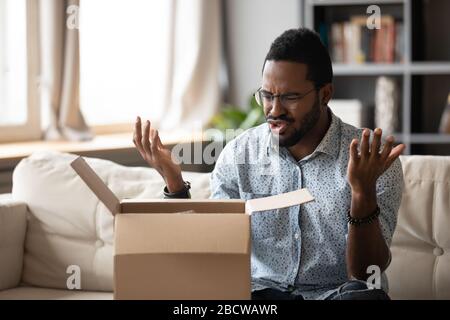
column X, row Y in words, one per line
column 12, row 236
column 33, row 293
column 420, row 267
column 67, row 225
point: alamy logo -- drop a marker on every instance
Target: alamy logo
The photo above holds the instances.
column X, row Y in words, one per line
column 74, row 280
column 373, row 21
column 213, row 142
column 374, row 280
column 73, row 19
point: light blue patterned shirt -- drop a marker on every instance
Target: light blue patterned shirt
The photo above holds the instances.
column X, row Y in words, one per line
column 301, row 249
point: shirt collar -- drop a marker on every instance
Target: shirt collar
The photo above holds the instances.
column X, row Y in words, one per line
column 329, row 144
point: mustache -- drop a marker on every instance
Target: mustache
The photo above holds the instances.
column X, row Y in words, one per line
column 280, row 118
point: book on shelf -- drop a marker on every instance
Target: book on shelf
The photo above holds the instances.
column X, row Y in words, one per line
column 399, row 42
column 353, row 42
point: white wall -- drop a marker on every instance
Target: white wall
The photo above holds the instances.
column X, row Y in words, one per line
column 252, row 25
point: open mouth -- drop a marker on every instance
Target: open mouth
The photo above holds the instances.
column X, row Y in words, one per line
column 277, row 126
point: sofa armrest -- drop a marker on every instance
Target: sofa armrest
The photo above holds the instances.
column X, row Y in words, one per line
column 13, row 222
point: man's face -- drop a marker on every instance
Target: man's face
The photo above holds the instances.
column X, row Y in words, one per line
column 290, row 122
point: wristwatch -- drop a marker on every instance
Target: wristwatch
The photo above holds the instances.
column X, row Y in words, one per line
column 182, row 194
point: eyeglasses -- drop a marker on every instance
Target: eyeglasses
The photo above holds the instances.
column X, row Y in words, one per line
column 289, row 100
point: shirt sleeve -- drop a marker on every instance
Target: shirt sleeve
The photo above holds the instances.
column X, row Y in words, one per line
column 224, row 178
column 389, row 195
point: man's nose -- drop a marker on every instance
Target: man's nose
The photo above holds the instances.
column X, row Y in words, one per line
column 277, row 107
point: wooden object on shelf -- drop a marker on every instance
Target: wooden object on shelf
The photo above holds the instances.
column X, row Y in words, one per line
column 445, row 119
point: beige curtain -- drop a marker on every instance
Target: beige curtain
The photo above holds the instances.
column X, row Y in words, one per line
column 193, row 91
column 60, row 73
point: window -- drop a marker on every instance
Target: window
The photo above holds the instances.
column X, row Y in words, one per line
column 13, row 71
column 123, row 59
column 19, row 107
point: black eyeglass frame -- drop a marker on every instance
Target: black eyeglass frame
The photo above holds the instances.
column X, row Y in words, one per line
column 293, row 97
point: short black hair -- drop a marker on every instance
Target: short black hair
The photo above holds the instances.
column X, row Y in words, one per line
column 303, row 46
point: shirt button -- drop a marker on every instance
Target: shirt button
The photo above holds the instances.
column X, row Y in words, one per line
column 296, row 235
column 99, row 243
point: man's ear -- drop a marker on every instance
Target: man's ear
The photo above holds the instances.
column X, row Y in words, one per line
column 326, row 93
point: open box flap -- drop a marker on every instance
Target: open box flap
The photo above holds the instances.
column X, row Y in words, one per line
column 109, row 199
column 96, row 184
column 182, row 205
column 278, row 201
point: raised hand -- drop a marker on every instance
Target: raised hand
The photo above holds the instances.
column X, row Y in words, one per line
column 156, row 155
column 366, row 166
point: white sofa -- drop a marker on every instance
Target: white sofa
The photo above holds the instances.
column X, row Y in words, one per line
column 52, row 221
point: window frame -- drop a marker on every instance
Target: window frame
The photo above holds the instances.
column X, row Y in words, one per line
column 31, row 129
column 106, row 129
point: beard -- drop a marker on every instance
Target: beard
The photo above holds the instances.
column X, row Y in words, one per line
column 307, row 124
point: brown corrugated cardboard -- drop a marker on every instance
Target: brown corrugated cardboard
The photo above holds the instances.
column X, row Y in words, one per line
column 182, row 248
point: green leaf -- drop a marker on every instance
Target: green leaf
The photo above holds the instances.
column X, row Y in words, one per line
column 232, row 117
column 220, row 122
column 254, row 104
column 253, row 119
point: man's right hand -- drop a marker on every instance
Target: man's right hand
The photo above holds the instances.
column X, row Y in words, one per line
column 157, row 156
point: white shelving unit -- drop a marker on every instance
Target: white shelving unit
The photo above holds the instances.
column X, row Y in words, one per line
column 405, row 70
column 341, row 69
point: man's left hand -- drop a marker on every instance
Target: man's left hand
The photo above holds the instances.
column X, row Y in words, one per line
column 366, row 166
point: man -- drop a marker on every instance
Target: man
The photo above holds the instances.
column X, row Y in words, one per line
column 321, row 249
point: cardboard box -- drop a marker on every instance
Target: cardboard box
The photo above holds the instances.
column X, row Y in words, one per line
column 182, row 249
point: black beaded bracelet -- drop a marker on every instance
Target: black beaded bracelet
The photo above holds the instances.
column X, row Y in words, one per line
column 367, row 220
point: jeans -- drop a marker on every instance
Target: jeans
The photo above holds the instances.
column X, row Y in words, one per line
column 358, row 290
column 274, row 294
column 351, row 290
